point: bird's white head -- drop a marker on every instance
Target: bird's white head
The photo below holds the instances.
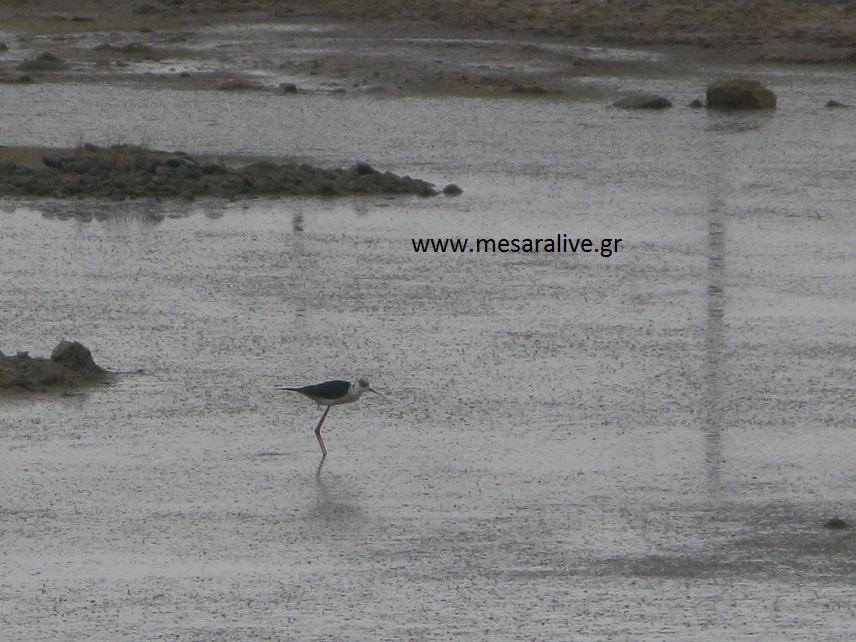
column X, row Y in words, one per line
column 361, row 386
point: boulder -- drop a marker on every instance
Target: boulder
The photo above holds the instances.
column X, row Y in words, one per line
column 85, row 166
column 147, row 10
column 642, row 101
column 532, row 90
column 452, row 190
column 75, row 356
column 739, row 93
column 19, row 78
column 132, row 172
column 55, row 162
column 835, row 523
column 364, row 169
column 695, row 104
column 70, row 364
column 43, row 62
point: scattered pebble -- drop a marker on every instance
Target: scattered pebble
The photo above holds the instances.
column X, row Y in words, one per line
column 836, row 523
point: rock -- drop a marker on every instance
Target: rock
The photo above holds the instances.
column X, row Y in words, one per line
column 19, row 78
column 696, row 104
column 835, row 523
column 137, row 48
column 531, row 90
column 146, row 10
column 288, row 88
column 212, row 168
column 642, row 101
column 364, row 169
column 834, row 104
column 452, row 190
column 739, row 93
column 43, row 62
column 238, row 84
column 130, row 49
column 54, row 162
column 261, row 167
column 131, row 172
column 4, row 46
column 83, row 166
column 70, row 363
column 75, row 356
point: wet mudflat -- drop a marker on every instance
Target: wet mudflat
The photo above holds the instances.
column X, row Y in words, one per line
column 643, row 446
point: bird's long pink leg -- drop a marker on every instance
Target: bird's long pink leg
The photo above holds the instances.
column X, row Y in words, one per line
column 318, row 432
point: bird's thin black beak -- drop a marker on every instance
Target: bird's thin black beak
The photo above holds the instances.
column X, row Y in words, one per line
column 377, row 393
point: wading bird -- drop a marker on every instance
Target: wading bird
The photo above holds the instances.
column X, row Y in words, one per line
column 332, row 393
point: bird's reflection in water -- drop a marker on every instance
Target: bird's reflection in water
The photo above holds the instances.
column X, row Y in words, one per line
column 333, row 502
column 145, row 213
column 214, row 209
column 297, row 257
column 361, row 207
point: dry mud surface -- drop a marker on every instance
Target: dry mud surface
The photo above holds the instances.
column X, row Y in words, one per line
column 724, row 23
column 480, row 48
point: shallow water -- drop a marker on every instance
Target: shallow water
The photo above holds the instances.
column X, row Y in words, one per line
column 635, row 447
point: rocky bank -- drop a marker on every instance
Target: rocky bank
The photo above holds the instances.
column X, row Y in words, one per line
column 70, row 364
column 126, row 171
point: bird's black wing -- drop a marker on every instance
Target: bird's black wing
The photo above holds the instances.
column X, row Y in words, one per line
column 326, row 390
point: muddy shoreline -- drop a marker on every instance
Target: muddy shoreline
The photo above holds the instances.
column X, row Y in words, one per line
column 409, row 48
column 727, row 23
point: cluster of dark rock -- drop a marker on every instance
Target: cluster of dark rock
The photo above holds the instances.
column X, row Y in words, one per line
column 836, row 523
column 123, row 171
column 70, row 364
column 43, row 62
column 739, row 93
column 728, row 94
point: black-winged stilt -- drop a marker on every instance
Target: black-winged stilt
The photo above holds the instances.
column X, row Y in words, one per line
column 332, row 393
